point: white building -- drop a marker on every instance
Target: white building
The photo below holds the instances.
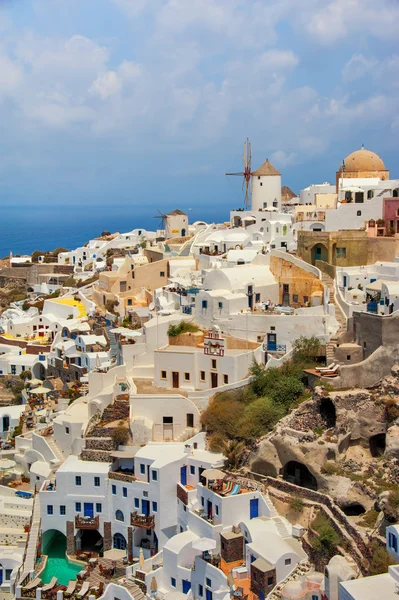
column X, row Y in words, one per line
column 383, row 586
column 392, row 537
column 266, row 188
column 9, row 418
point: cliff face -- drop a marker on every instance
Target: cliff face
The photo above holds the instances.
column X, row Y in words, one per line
column 345, row 444
column 11, row 288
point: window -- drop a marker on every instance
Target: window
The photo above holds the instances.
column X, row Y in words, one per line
column 287, row 561
column 62, row 509
column 78, row 480
column 13, row 370
column 8, row 574
column 261, row 183
column 202, row 501
column 314, row 597
column 50, row 509
column 154, row 475
column 129, row 302
column 220, row 304
column 216, row 509
column 225, row 379
column 142, row 469
column 208, row 582
column 119, row 516
column 124, row 492
column 257, row 297
column 114, row 490
column 213, row 363
column 340, row 252
column 163, row 375
column 348, row 357
column 286, row 288
column 67, row 430
column 192, row 470
column 173, row 582
column 270, row 581
column 145, row 495
column 202, row 375
column 122, row 286
column 99, row 507
column 205, row 304
column 186, row 376
column 162, row 274
column 370, row 194
column 295, row 297
column 96, row 482
column 136, row 503
column 78, row 506
column 200, row 590
column 359, row 213
column 306, row 299
column 189, row 420
column 184, row 508
column 155, row 507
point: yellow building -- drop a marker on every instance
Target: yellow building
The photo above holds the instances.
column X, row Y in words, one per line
column 362, row 164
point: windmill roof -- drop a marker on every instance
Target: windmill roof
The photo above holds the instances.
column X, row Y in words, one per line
column 266, row 169
column 176, row 212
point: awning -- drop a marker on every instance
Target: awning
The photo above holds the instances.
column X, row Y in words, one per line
column 213, row 474
column 375, row 286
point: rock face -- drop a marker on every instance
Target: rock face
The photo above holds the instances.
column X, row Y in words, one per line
column 337, row 443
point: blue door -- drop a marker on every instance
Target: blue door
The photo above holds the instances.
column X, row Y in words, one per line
column 183, row 475
column 1, row 576
column 145, row 507
column 345, row 278
column 271, row 342
column 253, row 508
column 208, row 595
column 88, row 509
column 186, row 586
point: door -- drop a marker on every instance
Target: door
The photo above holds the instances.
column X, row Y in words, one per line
column 183, row 475
column 200, row 471
column 145, row 507
column 183, row 232
column 214, row 380
column 209, row 509
column 6, row 423
column 1, row 576
column 208, row 595
column 186, row 586
column 167, row 429
column 271, row 342
column 175, row 379
column 345, row 280
column 88, row 509
column 253, row 508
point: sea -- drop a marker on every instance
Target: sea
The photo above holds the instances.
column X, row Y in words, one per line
column 26, row 228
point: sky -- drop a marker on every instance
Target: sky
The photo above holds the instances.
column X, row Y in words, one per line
column 147, row 103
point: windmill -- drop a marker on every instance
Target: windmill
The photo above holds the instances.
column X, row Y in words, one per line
column 246, row 174
column 164, row 220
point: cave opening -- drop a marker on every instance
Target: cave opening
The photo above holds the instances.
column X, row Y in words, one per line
column 298, row 473
column 354, row 509
column 328, row 413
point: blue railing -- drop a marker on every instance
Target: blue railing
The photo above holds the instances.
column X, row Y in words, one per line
column 187, row 310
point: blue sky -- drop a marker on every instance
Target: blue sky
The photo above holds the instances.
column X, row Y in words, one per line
column 148, row 102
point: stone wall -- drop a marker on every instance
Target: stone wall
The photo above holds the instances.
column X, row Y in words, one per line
column 95, row 455
column 70, row 536
column 107, row 536
column 301, row 283
column 262, row 582
column 232, row 548
column 100, row 444
column 182, row 494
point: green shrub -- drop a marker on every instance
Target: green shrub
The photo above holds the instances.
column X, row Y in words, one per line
column 217, row 442
column 328, row 538
column 25, row 375
column 305, row 349
column 296, row 503
column 182, row 327
column 369, row 518
column 260, row 416
column 380, row 559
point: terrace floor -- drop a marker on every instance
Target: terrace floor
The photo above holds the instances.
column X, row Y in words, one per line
column 245, row 584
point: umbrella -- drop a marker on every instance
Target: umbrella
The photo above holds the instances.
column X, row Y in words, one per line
column 204, row 544
column 230, row 579
column 5, row 465
column 141, row 558
column 154, row 585
column 114, row 554
column 213, row 474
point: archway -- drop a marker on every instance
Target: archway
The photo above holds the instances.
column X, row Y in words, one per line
column 54, row 543
column 298, row 473
column 91, row 540
column 39, row 371
column 353, row 509
column 327, row 412
column 319, row 252
column 377, row 444
column 119, row 541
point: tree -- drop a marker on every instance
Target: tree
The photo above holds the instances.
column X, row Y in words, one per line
column 259, row 417
column 25, row 375
column 287, row 390
column 224, row 417
column 233, row 452
column 305, row 349
column 380, row 559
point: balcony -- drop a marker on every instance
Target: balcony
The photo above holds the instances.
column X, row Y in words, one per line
column 87, row 522
column 145, row 521
column 122, row 476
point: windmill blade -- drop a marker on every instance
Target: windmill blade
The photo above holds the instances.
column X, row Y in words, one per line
column 249, row 159
column 245, row 154
column 240, row 173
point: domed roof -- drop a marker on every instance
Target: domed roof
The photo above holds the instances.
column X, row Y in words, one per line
column 364, row 160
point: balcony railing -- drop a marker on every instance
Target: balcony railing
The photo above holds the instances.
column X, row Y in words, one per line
column 145, row 521
column 87, row 522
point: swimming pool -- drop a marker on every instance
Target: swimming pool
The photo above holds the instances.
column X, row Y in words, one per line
column 58, row 564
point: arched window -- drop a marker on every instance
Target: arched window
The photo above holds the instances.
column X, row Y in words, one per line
column 119, row 541
column 119, row 516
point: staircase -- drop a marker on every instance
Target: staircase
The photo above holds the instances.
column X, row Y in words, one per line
column 113, row 346
column 270, row 506
column 55, row 450
column 119, row 410
column 281, row 527
column 328, row 283
column 134, row 589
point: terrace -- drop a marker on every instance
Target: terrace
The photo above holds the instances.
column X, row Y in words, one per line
column 87, row 522
column 140, row 520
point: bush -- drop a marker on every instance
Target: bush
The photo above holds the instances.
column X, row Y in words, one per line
column 328, row 538
column 105, row 233
column 25, row 375
column 391, row 508
column 296, row 503
column 329, row 468
column 224, row 417
column 260, row 417
column 70, row 282
column 380, row 559
column 120, row 435
column 217, row 442
column 287, row 391
column 182, row 327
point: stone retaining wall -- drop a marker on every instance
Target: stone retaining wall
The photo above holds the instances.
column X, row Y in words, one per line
column 100, row 444
column 95, row 455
